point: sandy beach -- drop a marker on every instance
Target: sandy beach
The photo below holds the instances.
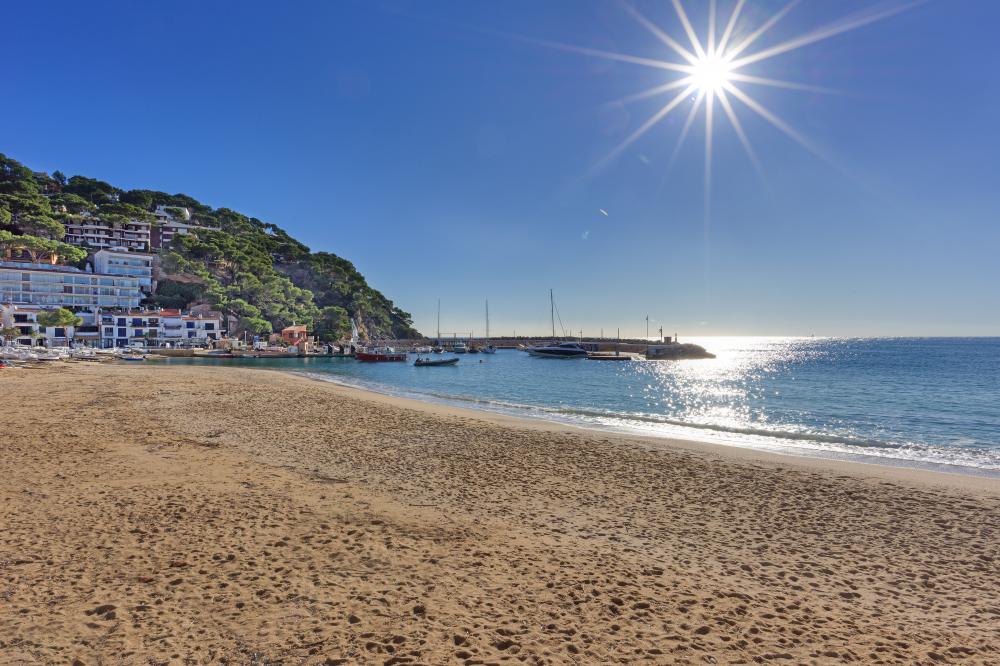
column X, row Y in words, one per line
column 179, row 514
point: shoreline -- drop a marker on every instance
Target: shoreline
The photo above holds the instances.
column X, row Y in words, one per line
column 204, row 515
column 868, row 465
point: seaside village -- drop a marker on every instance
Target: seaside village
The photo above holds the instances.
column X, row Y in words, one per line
column 105, row 296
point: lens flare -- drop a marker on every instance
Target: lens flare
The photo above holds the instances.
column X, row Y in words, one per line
column 710, row 70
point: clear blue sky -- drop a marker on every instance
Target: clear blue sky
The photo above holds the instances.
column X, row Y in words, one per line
column 446, row 158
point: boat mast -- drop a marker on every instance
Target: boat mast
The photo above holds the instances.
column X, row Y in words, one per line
column 439, row 322
column 487, row 320
column 552, row 313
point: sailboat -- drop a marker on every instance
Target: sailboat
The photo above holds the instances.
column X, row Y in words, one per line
column 489, row 348
column 438, row 349
column 557, row 349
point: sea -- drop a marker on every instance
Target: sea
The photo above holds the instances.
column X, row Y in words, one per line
column 929, row 403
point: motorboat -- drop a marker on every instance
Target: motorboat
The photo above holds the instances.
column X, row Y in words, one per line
column 558, row 350
column 379, row 354
column 459, row 348
column 423, row 349
column 489, row 349
column 421, row 362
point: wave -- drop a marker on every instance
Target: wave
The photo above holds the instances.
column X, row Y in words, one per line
column 803, row 442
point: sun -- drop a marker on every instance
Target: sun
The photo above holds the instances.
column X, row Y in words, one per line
column 711, row 73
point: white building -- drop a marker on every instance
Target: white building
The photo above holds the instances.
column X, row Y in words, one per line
column 24, row 318
column 118, row 261
column 165, row 213
column 26, row 283
column 160, row 328
column 90, row 231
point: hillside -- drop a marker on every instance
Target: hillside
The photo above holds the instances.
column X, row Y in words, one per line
column 247, row 268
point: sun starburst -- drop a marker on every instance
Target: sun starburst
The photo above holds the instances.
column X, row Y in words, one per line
column 711, row 72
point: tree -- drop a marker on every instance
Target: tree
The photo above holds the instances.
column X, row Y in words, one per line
column 8, row 333
column 60, row 317
column 12, row 169
column 256, row 326
column 73, row 203
column 125, row 211
column 41, row 225
column 59, row 177
column 333, row 323
column 91, row 189
column 39, row 249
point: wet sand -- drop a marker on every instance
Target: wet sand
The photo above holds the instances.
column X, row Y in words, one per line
column 179, row 514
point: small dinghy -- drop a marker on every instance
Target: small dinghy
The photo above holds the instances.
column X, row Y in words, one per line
column 435, row 361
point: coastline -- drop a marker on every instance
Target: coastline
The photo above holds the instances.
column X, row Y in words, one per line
column 228, row 514
column 867, row 466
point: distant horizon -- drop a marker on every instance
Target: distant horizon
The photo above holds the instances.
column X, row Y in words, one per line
column 466, row 151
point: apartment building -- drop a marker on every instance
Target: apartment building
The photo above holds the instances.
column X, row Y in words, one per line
column 131, row 264
column 24, row 318
column 47, row 285
column 92, row 232
column 160, row 328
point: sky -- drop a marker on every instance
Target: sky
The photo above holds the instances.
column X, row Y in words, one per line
column 452, row 151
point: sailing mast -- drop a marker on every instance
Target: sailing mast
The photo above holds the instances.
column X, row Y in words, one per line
column 487, row 320
column 439, row 323
column 552, row 313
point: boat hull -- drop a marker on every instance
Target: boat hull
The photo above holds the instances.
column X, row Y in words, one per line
column 557, row 353
column 437, row 362
column 380, row 357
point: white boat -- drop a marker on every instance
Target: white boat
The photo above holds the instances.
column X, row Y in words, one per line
column 558, row 350
column 423, row 349
column 459, row 348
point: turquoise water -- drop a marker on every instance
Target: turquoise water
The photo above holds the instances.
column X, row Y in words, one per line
column 919, row 402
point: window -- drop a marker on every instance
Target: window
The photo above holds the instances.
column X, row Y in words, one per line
column 190, row 324
column 109, row 332
column 136, row 321
column 121, row 321
column 60, row 332
column 20, row 319
column 209, row 327
column 122, row 332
